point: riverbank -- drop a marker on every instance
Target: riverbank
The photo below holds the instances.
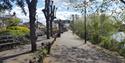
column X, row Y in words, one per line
column 71, row 49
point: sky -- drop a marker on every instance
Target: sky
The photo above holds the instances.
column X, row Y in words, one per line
column 62, row 12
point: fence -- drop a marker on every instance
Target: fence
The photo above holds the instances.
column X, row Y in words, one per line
column 7, row 42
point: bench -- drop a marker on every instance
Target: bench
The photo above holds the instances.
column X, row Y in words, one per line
column 7, row 42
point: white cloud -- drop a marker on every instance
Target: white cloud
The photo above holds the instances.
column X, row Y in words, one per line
column 119, row 10
column 65, row 14
column 20, row 14
column 25, row 18
column 62, row 13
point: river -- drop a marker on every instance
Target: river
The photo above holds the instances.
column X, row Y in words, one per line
column 120, row 36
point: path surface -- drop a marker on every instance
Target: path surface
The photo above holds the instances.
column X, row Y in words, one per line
column 20, row 54
column 70, row 49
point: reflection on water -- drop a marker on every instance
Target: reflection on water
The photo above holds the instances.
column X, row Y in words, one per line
column 120, row 36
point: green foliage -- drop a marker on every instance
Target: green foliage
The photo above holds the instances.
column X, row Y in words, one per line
column 2, row 29
column 11, row 21
column 18, row 30
column 3, row 7
column 106, row 42
column 41, row 54
column 78, row 28
column 100, row 29
column 15, row 31
column 13, row 28
column 93, row 29
column 122, row 51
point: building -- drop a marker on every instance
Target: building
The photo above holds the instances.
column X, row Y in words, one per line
column 40, row 28
column 2, row 23
column 64, row 24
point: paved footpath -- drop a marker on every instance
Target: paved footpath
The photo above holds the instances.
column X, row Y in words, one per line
column 71, row 49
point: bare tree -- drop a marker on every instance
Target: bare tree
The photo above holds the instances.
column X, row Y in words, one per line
column 49, row 13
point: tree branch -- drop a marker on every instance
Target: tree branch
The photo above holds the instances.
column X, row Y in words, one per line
column 122, row 1
column 28, row 2
column 21, row 4
column 34, row 2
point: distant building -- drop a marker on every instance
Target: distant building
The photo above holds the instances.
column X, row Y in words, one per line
column 39, row 25
column 40, row 28
column 8, row 16
column 64, row 24
column 2, row 23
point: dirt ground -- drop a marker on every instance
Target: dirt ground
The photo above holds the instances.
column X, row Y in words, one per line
column 69, row 48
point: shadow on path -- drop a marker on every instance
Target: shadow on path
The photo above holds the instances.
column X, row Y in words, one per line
column 70, row 49
column 12, row 56
column 1, row 61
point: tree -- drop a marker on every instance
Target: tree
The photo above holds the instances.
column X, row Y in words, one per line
column 53, row 10
column 122, row 1
column 7, row 4
column 49, row 13
column 82, row 7
column 104, row 6
column 32, row 13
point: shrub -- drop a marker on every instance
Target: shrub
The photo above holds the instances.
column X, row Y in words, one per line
column 122, row 51
column 18, row 30
column 100, row 29
column 15, row 31
column 106, row 42
column 11, row 21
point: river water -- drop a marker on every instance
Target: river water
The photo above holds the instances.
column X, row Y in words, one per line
column 120, row 36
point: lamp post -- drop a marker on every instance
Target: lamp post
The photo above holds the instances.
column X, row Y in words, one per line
column 37, row 21
column 73, row 23
column 60, row 27
column 85, row 33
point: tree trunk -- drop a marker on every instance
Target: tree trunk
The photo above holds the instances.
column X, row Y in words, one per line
column 47, row 29
column 60, row 27
column 51, row 30
column 32, row 14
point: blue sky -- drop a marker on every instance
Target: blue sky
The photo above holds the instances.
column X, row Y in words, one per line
column 62, row 11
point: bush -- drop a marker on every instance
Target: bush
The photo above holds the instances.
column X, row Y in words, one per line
column 100, row 29
column 122, row 51
column 106, row 42
column 11, row 21
column 19, row 33
column 18, row 30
